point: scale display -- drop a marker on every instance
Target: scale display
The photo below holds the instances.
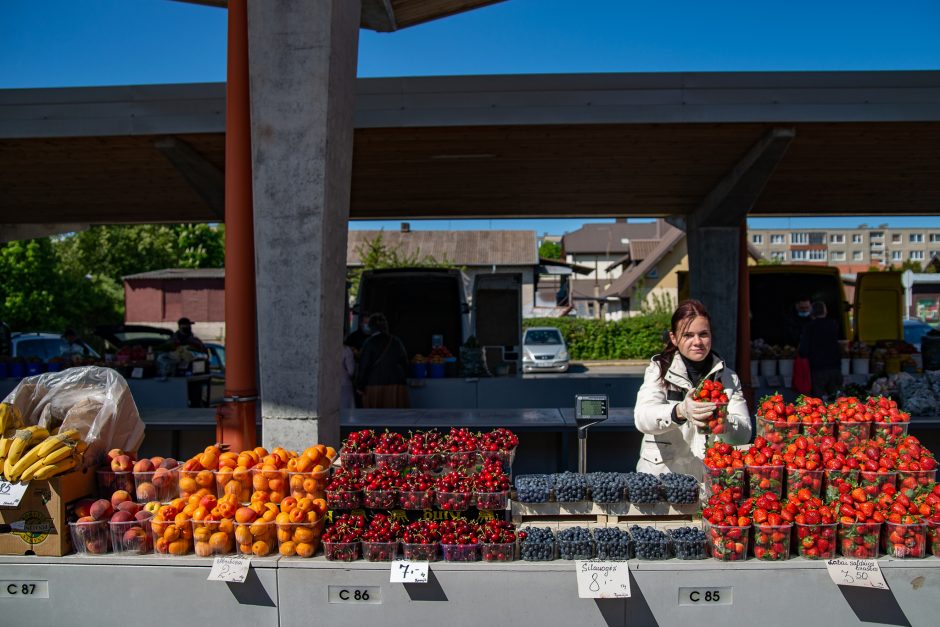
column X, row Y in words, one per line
column 590, row 408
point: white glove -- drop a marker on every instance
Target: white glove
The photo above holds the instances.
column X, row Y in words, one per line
column 698, row 413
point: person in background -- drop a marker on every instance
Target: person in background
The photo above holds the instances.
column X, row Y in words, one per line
column 383, row 367
column 797, row 320
column 674, row 424
column 184, row 335
column 346, row 395
column 820, row 345
column 357, row 338
column 73, row 344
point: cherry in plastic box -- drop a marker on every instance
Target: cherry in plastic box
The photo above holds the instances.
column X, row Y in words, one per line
column 299, row 539
column 131, row 537
column 772, row 542
column 427, row 462
column 421, row 552
column 498, row 552
column 343, row 499
column 380, row 551
column 161, row 485
column 380, row 499
column 90, row 538
column 454, row 501
column 342, row 551
column 492, row 500
column 393, row 461
column 727, row 543
column 460, row 552
column 213, row 537
column 463, row 461
column 351, row 459
column 416, row 499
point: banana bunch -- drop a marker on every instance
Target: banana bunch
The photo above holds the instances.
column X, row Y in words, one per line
column 32, row 453
column 10, row 418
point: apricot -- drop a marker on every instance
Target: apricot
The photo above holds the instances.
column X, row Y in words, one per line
column 201, row 534
column 297, row 515
column 227, row 526
column 158, row 527
column 305, row 549
column 259, row 529
column 223, row 476
column 205, row 479
column 304, row 464
column 188, row 485
column 247, row 459
column 243, row 534
column 287, row 549
column 311, row 485
column 260, row 451
column 220, row 542
column 171, row 533
column 330, row 453
column 244, row 549
column 292, row 465
column 179, row 547
column 161, row 545
column 269, row 515
column 203, row 549
column 276, row 496
column 260, row 548
column 313, row 516
column 296, row 482
column 227, row 509
column 245, row 515
column 319, row 506
column 284, row 534
column 258, row 482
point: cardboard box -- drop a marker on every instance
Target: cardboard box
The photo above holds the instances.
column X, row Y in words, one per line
column 44, row 511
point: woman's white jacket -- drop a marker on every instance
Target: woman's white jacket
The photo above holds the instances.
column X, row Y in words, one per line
column 672, row 447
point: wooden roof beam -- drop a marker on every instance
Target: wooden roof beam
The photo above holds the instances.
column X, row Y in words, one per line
column 378, row 15
column 204, row 177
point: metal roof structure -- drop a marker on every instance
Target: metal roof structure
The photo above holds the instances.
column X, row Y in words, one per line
column 496, row 146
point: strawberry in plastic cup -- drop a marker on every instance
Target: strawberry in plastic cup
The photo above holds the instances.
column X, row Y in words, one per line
column 772, row 542
column 801, row 478
column 906, row 539
column 853, row 434
column 816, row 541
column 765, row 479
column 727, row 543
column 719, row 479
column 913, row 482
column 859, row 540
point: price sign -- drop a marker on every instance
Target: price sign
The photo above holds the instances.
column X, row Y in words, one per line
column 602, row 580
column 706, row 596
column 12, row 493
column 407, row 571
column 137, row 373
column 861, row 573
column 232, row 569
column 371, row 595
column 24, row 589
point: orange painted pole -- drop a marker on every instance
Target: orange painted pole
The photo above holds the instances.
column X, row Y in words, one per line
column 235, row 419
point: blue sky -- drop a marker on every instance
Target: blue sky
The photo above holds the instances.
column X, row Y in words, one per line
column 58, row 43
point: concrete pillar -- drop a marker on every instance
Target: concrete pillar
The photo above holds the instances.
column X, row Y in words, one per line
column 302, row 60
column 713, row 279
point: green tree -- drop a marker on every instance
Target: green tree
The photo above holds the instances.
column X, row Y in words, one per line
column 30, row 285
column 200, row 246
column 913, row 266
column 550, row 250
column 376, row 254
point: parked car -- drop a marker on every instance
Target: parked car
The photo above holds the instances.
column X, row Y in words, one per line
column 914, row 330
column 544, row 350
column 119, row 336
column 44, row 346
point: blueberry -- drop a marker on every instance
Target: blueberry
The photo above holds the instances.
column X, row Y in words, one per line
column 538, row 545
column 607, row 487
column 643, row 488
column 680, row 489
column 570, row 486
column 689, row 543
column 575, row 543
column 533, row 488
column 613, row 543
column 649, row 543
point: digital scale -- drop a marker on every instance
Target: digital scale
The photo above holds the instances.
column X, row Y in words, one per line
column 589, row 409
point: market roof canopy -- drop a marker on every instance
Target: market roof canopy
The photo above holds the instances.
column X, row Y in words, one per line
column 496, row 146
column 391, row 15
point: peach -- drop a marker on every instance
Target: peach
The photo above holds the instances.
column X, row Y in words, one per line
column 130, row 507
column 82, row 508
column 144, row 465
column 134, row 538
column 113, row 453
column 156, row 461
column 143, row 515
column 162, row 478
column 169, row 463
column 121, row 516
column 122, row 463
column 153, row 506
column 147, row 491
column 97, row 546
column 101, row 509
column 245, row 515
column 120, row 496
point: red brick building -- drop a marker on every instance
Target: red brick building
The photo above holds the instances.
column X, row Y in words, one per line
column 162, row 297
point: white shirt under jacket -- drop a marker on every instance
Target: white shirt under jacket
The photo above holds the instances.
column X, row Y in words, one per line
column 672, row 447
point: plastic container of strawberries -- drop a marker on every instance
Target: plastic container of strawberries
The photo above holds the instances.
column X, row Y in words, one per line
column 727, row 543
column 801, row 478
column 764, row 480
column 904, row 541
column 853, row 433
column 816, row 541
column 889, row 432
column 718, row 479
column 771, row 543
column 860, row 540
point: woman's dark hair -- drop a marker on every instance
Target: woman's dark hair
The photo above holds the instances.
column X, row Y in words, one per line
column 685, row 313
column 379, row 322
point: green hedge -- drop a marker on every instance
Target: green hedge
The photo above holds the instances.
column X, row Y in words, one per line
column 639, row 337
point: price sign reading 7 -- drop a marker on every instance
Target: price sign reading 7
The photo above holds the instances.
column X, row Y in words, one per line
column 407, row 571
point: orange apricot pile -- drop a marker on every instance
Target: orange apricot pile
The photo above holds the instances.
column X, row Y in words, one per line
column 299, row 525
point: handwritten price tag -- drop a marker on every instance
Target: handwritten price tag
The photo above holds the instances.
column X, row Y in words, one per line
column 861, row 573
column 232, row 569
column 406, row 571
column 602, row 580
column 12, row 493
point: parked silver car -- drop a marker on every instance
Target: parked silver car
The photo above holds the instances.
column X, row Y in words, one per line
column 544, row 350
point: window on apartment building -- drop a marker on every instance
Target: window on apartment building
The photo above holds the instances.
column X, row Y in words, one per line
column 877, row 234
column 799, row 238
column 895, row 255
column 857, row 255
column 934, row 253
column 817, row 255
column 837, row 238
column 934, row 237
column 896, row 238
column 817, row 238
column 757, row 239
column 857, row 238
column 777, row 239
column 916, row 238
column 778, row 255
column 917, row 255
column 836, row 255
column 798, row 255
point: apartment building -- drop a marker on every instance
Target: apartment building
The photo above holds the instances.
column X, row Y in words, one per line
column 851, row 250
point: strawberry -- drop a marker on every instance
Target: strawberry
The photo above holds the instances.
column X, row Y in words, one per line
column 711, row 391
column 777, row 421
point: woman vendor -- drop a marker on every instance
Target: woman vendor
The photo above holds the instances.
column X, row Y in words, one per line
column 674, row 424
